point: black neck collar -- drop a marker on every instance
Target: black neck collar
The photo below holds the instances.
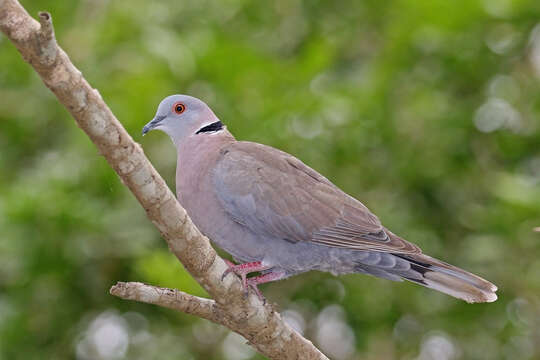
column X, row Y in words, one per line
column 213, row 127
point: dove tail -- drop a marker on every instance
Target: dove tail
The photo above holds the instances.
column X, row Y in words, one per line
column 449, row 279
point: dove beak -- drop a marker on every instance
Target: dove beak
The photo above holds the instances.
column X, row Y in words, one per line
column 152, row 124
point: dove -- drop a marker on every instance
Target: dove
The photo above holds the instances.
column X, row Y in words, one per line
column 278, row 217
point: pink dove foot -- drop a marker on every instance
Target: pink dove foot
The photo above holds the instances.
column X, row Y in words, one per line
column 242, row 270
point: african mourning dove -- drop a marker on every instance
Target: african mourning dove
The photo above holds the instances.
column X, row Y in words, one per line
column 281, row 218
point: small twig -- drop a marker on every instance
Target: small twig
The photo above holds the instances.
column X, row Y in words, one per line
column 45, row 20
column 48, row 44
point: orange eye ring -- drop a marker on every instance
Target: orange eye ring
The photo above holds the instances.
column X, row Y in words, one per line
column 179, row 108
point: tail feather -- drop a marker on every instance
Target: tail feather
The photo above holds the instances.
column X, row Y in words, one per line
column 450, row 279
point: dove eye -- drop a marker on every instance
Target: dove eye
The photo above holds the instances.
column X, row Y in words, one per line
column 179, row 108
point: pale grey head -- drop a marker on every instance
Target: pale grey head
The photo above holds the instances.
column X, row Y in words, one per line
column 181, row 116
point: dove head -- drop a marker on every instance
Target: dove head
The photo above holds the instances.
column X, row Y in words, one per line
column 181, row 116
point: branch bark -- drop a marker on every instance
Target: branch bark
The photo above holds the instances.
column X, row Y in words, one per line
column 257, row 322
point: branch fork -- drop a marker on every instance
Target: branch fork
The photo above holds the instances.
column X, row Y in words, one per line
column 258, row 323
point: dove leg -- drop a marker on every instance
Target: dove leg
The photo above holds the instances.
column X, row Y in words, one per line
column 261, row 279
column 243, row 269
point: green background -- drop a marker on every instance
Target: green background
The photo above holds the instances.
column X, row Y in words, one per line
column 427, row 111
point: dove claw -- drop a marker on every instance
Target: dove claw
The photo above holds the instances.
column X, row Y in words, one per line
column 231, row 266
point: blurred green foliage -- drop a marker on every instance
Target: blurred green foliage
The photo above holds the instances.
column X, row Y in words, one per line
column 427, row 111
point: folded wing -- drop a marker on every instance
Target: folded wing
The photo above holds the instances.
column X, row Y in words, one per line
column 274, row 194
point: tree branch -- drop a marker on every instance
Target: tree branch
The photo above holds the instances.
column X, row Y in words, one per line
column 169, row 298
column 259, row 324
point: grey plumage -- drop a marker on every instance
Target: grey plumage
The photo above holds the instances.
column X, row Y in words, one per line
column 263, row 205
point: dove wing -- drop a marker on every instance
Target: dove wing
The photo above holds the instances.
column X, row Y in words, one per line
column 275, row 194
